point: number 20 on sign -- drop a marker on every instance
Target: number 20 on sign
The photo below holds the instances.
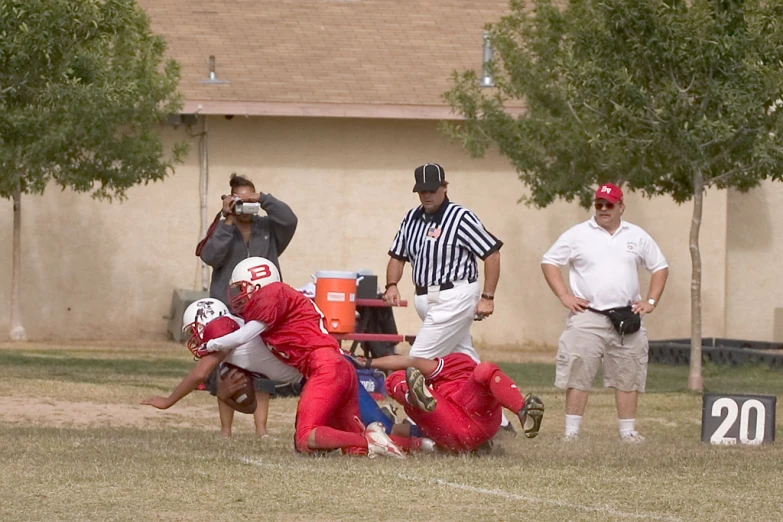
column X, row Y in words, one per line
column 737, row 419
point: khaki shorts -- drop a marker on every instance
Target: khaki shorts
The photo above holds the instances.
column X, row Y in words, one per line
column 590, row 338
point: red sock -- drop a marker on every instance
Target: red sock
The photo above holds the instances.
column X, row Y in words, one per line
column 501, row 386
column 330, row 438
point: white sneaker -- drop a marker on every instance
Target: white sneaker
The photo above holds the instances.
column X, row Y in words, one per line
column 633, row 437
column 379, row 443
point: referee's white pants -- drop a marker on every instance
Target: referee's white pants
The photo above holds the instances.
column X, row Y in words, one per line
column 446, row 322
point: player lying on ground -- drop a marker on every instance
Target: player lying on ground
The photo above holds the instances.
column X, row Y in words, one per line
column 456, row 402
column 292, row 327
column 234, row 383
column 252, row 360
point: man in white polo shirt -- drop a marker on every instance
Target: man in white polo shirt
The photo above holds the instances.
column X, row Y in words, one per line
column 602, row 255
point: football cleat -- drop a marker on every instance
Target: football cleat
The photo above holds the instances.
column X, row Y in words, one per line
column 379, row 443
column 633, row 437
column 484, row 449
column 419, row 395
column 390, row 411
column 506, row 432
column 531, row 415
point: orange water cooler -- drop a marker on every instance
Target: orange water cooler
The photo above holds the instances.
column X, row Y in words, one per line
column 335, row 296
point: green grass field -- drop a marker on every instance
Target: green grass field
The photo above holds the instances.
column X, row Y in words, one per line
column 75, row 445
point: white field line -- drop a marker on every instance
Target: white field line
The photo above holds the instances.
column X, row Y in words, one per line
column 254, row 461
column 537, row 500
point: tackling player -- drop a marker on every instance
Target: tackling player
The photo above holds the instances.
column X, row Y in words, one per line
column 462, row 409
column 208, row 319
column 292, row 326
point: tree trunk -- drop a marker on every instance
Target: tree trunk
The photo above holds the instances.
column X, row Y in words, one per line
column 695, row 380
column 17, row 332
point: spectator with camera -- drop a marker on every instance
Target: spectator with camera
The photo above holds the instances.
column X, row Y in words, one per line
column 238, row 233
column 242, row 233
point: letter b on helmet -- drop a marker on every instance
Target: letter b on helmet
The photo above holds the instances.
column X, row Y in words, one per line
column 247, row 277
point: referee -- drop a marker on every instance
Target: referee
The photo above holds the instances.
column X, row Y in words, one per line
column 441, row 240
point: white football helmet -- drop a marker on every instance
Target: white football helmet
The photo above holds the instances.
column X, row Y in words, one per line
column 249, row 275
column 197, row 315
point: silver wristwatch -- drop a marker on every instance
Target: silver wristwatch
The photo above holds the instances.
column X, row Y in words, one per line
column 652, row 302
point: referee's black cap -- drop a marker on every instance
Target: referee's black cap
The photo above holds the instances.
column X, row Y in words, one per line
column 429, row 177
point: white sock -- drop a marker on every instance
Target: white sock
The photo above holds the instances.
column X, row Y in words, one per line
column 626, row 426
column 503, row 420
column 572, row 424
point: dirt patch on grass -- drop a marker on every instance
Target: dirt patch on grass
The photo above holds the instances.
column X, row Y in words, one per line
column 56, row 413
column 59, row 413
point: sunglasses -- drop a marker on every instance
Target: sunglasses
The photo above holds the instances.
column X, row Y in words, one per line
column 601, row 206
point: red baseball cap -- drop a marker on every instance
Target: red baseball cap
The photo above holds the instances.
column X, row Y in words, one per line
column 610, row 192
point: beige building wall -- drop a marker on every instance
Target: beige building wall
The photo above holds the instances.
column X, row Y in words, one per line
column 755, row 251
column 99, row 270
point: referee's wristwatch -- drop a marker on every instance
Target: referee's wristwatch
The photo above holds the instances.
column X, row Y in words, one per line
column 651, row 302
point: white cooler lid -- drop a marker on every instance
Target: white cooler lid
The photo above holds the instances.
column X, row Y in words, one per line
column 334, row 274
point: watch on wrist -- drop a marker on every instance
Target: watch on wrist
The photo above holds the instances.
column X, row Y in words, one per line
column 487, row 296
column 651, row 302
column 389, row 285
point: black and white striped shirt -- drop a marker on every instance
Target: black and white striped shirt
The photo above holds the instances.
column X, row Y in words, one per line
column 443, row 246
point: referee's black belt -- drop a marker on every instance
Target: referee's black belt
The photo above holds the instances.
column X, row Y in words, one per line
column 422, row 290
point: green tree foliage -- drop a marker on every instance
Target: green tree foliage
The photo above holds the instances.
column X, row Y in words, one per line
column 83, row 88
column 663, row 96
column 83, row 85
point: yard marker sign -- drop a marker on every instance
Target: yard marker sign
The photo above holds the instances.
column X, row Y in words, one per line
column 738, row 419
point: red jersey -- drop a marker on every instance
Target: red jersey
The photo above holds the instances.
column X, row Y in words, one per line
column 452, row 372
column 294, row 326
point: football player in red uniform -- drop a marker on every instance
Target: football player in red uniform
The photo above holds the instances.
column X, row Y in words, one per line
column 292, row 327
column 455, row 401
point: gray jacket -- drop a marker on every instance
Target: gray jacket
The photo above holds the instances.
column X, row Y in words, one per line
column 269, row 237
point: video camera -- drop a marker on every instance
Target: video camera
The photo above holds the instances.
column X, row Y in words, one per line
column 243, row 207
